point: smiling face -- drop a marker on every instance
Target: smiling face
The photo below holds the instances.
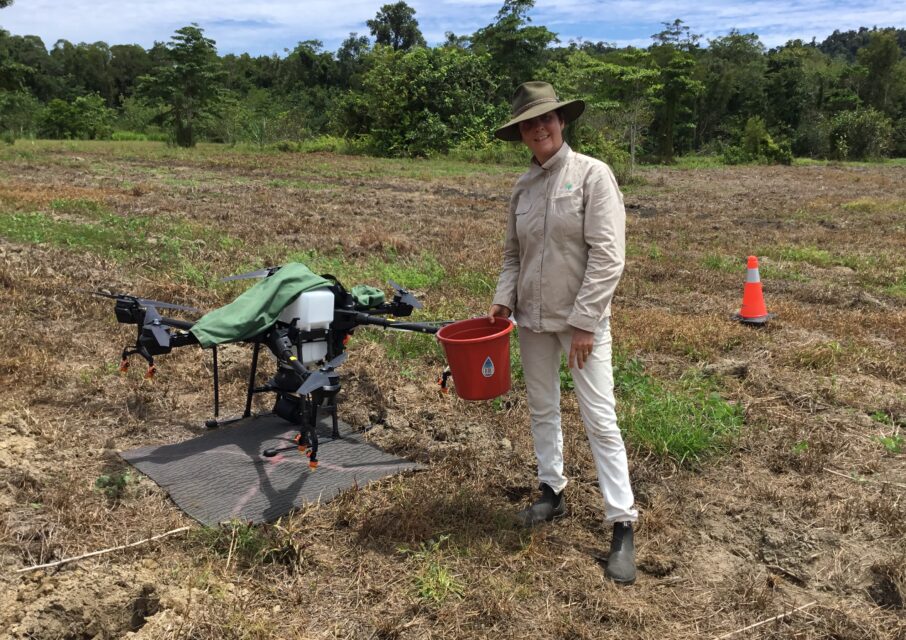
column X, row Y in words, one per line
column 543, row 135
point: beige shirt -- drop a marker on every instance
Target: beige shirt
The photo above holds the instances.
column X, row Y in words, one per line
column 565, row 244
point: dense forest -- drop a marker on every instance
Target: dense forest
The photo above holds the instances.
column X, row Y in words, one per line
column 391, row 94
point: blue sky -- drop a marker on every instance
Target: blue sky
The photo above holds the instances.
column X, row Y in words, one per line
column 271, row 26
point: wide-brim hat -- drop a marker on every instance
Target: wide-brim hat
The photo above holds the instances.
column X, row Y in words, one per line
column 532, row 99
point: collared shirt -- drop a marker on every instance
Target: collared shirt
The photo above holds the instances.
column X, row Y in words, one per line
column 565, row 244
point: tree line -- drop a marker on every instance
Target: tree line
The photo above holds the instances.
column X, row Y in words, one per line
column 391, row 94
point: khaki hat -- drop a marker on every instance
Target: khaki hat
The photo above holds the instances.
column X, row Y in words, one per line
column 532, row 99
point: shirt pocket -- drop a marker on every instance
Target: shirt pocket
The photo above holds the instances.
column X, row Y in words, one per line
column 569, row 216
column 524, row 221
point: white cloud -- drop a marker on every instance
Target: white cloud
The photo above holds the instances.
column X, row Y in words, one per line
column 269, row 26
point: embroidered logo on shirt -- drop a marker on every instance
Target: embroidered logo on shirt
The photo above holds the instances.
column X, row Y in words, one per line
column 569, row 186
column 487, row 369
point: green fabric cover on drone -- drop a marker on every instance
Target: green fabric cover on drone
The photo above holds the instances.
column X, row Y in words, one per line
column 257, row 309
column 366, row 296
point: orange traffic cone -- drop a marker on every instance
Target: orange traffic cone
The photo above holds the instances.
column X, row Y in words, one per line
column 753, row 309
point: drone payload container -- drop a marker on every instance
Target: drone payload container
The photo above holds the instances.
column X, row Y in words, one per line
column 311, row 311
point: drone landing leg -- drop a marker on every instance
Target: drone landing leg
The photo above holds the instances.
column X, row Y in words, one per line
column 252, row 373
column 216, row 384
column 332, row 409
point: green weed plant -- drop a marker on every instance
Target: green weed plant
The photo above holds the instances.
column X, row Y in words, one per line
column 687, row 421
column 434, row 581
column 115, row 485
column 894, row 444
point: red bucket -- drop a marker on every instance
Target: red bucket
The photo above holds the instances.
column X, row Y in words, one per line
column 478, row 353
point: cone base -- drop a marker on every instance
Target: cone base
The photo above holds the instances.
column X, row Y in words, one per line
column 758, row 320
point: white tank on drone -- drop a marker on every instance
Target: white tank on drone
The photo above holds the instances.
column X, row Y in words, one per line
column 311, row 311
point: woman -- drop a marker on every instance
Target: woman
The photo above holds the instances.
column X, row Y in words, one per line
column 563, row 257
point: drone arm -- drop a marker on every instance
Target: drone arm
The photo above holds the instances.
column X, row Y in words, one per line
column 177, row 324
column 282, row 346
column 359, row 318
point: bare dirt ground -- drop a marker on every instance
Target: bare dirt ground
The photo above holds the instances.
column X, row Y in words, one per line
column 807, row 506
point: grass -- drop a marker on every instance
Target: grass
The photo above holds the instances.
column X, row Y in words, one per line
column 298, row 184
column 870, row 205
column 336, row 569
column 79, row 206
column 434, row 582
column 175, row 245
column 115, row 485
column 898, row 288
column 727, row 264
column 478, row 283
column 823, row 258
column 813, row 162
column 818, row 356
column 247, row 544
column 686, row 421
column 693, row 161
column 405, row 347
column 894, row 444
column 112, row 236
column 421, row 271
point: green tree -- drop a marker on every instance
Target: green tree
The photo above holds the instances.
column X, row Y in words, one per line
column 85, row 117
column 879, row 57
column 618, row 93
column 85, row 69
column 429, row 100
column 127, row 63
column 25, row 64
column 517, row 49
column 860, row 134
column 677, row 89
column 189, row 86
column 732, row 70
column 797, row 83
column 18, row 114
column 351, row 60
column 395, row 26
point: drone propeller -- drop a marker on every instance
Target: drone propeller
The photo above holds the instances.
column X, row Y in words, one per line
column 266, row 272
column 320, row 378
column 405, row 296
column 143, row 302
column 157, row 330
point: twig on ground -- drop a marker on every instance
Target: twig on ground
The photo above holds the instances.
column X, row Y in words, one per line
column 758, row 624
column 103, row 551
column 860, row 479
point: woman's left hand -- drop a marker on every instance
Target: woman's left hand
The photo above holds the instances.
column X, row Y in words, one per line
column 580, row 349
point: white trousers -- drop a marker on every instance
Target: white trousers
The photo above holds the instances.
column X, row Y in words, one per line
column 541, row 354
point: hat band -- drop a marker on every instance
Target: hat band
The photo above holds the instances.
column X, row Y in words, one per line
column 534, row 103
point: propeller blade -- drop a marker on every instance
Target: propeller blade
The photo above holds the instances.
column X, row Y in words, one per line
column 314, row 381
column 260, row 273
column 336, row 362
column 144, row 302
column 166, row 305
column 160, row 333
column 319, row 378
column 405, row 296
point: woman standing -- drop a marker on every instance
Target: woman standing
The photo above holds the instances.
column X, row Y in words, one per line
column 563, row 257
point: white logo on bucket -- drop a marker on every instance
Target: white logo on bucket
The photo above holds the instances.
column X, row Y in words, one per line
column 487, row 369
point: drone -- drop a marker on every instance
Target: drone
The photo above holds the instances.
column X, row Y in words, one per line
column 308, row 339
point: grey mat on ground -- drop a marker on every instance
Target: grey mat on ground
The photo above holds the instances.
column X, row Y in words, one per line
column 222, row 475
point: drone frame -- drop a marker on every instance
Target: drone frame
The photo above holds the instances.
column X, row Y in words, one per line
column 301, row 393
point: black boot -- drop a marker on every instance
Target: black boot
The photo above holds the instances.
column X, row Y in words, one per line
column 621, row 561
column 548, row 507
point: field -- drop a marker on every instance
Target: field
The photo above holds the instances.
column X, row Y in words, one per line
column 769, row 464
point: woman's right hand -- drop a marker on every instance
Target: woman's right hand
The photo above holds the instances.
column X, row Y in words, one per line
column 498, row 311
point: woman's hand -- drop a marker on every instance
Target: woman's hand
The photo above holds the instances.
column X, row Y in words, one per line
column 580, row 348
column 498, row 311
